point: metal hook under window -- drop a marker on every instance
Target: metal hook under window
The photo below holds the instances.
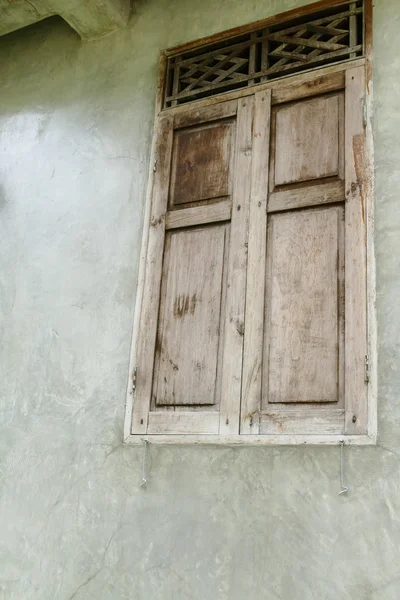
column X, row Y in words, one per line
column 344, row 487
column 144, row 464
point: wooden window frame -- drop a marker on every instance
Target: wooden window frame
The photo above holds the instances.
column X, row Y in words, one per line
column 278, row 88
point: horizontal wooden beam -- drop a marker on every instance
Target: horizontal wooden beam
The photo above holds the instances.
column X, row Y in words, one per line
column 303, row 196
column 254, row 440
column 263, row 23
column 199, row 215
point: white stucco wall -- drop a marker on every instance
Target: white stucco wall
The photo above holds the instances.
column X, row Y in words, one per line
column 213, row 524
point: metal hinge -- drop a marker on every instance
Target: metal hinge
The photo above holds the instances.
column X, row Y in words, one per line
column 134, row 377
column 155, row 166
column 366, row 363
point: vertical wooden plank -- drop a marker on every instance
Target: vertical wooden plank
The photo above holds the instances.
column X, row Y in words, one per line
column 307, row 140
column 369, row 203
column 144, row 243
column 252, row 56
column 175, row 82
column 264, row 53
column 341, row 306
column 356, row 416
column 255, row 288
column 353, row 29
column 189, row 329
column 341, row 173
column 303, row 306
column 151, row 294
column 235, row 303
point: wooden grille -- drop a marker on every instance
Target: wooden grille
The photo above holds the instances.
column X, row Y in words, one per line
column 291, row 46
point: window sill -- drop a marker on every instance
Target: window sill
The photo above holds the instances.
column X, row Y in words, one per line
column 253, row 440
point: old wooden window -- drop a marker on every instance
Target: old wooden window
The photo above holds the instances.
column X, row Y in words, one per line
column 255, row 307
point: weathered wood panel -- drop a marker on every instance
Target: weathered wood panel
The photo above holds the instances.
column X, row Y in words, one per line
column 195, row 115
column 301, row 339
column 199, row 215
column 301, row 197
column 309, row 84
column 201, row 163
column 189, row 327
column 151, row 290
column 183, row 423
column 307, row 140
column 231, row 385
column 315, row 421
column 355, row 242
column 255, row 283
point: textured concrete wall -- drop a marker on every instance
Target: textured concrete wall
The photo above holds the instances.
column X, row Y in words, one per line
column 91, row 19
column 213, row 524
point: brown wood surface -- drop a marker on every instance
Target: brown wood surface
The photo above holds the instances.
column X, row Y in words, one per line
column 199, row 215
column 192, row 115
column 183, row 423
column 255, row 284
column 154, row 257
column 309, row 84
column 302, row 319
column 235, row 303
column 355, row 243
column 307, row 140
column 312, row 73
column 312, row 314
column 311, row 195
column 189, row 327
column 297, row 421
column 201, row 163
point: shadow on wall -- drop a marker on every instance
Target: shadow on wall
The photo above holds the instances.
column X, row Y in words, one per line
column 102, row 71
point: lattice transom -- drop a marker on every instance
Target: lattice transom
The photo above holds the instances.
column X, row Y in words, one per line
column 319, row 38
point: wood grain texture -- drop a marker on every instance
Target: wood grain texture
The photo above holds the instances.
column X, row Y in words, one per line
column 189, row 327
column 307, row 140
column 310, row 84
column 370, row 224
column 190, row 115
column 143, row 249
column 263, row 52
column 333, row 439
column 273, row 85
column 151, row 291
column 255, row 285
column 183, row 423
column 199, row 215
column 301, row 197
column 235, row 305
column 201, row 163
column 307, row 423
column 302, row 320
column 316, row 421
column 355, row 242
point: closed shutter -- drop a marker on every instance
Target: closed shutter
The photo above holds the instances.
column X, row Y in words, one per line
column 253, row 316
column 305, row 334
column 190, row 346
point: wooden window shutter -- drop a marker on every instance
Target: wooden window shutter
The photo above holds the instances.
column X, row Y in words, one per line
column 190, row 343
column 306, row 324
column 253, row 316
